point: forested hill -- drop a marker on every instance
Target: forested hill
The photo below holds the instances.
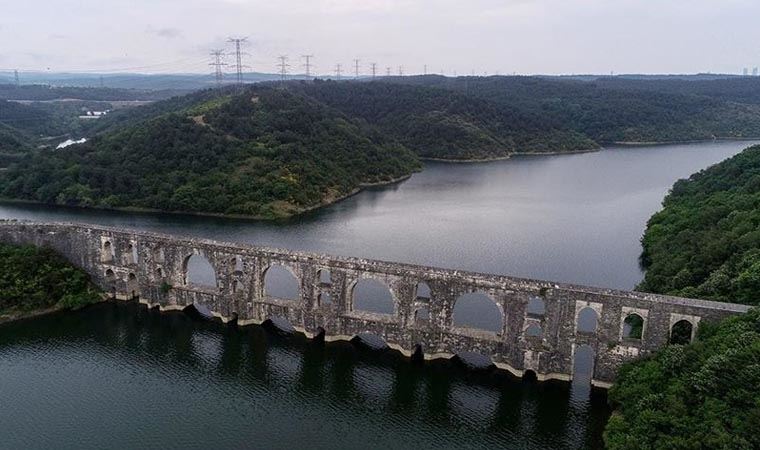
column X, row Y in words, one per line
column 617, row 111
column 262, row 152
column 705, row 243
column 436, row 123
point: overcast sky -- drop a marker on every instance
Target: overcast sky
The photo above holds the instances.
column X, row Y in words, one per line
column 522, row 36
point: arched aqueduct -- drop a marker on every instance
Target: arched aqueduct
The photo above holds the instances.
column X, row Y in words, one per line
column 541, row 325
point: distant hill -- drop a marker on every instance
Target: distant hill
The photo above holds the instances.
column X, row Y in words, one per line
column 619, row 110
column 435, row 123
column 263, row 152
column 40, row 92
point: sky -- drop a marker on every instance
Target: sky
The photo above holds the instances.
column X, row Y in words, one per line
column 449, row 36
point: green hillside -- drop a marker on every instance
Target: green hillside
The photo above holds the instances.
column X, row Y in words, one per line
column 705, row 242
column 264, row 152
column 615, row 111
column 436, row 123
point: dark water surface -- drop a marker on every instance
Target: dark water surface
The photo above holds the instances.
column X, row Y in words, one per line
column 118, row 376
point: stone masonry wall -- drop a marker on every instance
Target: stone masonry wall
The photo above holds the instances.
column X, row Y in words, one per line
column 153, row 267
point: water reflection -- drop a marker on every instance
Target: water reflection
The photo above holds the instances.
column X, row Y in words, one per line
column 125, row 367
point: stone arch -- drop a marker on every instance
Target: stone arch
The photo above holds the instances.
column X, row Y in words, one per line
column 587, row 320
column 529, row 375
column 536, row 306
column 633, row 326
column 478, row 310
column 583, row 364
column 132, row 285
column 280, row 282
column 110, row 275
column 197, row 270
column 534, row 330
column 422, row 291
column 106, row 252
column 372, row 295
column 682, row 332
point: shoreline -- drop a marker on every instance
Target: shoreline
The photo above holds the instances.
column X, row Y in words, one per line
column 24, row 315
column 135, row 209
column 690, row 141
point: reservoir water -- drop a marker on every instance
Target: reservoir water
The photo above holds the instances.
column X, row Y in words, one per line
column 120, row 376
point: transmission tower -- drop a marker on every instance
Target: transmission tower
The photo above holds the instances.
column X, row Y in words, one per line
column 387, row 71
column 238, row 58
column 283, row 65
column 338, row 69
column 424, row 69
column 401, row 71
column 356, row 68
column 374, row 70
column 15, row 77
column 307, row 64
column 217, row 64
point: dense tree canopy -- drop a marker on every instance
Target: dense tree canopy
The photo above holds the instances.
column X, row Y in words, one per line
column 33, row 278
column 617, row 111
column 437, row 123
column 699, row 396
column 705, row 242
column 264, row 152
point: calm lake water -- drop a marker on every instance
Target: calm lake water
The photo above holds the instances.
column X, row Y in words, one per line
column 120, row 376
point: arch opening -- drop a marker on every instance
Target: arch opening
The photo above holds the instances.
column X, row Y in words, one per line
column 132, row 285
column 681, row 333
column 237, row 287
column 236, row 264
column 280, row 325
column 633, row 326
column 583, row 364
column 534, row 331
column 536, row 306
column 370, row 295
column 106, row 253
column 587, row 320
column 478, row 310
column 110, row 275
column 279, row 282
column 199, row 271
column 324, row 276
column 159, row 273
column 422, row 291
column 131, row 254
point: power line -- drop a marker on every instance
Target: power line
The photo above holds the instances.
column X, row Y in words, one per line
column 307, row 64
column 338, row 69
column 283, row 65
column 217, row 64
column 238, row 57
column 356, row 68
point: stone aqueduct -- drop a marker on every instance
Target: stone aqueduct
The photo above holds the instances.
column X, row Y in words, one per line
column 153, row 267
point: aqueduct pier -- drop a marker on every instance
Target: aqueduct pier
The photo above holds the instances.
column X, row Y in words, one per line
column 540, row 328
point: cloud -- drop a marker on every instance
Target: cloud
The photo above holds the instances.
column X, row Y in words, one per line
column 168, row 33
